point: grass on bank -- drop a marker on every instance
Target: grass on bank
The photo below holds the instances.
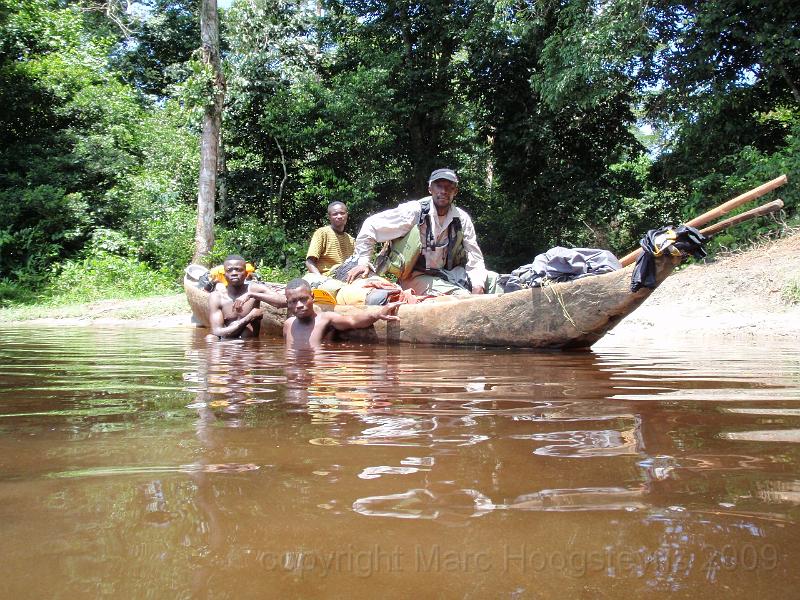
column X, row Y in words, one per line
column 791, row 292
column 102, row 284
column 139, row 308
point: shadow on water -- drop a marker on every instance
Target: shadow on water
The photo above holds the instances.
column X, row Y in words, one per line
column 188, row 468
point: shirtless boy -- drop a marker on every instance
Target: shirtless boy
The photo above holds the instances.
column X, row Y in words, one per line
column 307, row 328
column 235, row 312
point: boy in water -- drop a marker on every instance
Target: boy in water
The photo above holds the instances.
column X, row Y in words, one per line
column 235, row 311
column 307, row 328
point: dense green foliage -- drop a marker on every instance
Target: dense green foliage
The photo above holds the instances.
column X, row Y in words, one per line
column 578, row 123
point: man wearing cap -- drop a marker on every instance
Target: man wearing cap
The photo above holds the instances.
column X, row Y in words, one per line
column 449, row 259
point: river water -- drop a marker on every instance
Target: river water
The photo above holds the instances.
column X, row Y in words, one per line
column 153, row 464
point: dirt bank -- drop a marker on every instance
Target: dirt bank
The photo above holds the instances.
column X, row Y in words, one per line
column 153, row 312
column 740, row 294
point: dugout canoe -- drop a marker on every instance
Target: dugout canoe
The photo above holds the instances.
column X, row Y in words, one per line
column 564, row 315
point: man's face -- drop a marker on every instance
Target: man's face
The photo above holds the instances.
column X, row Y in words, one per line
column 235, row 271
column 300, row 302
column 337, row 215
column 443, row 191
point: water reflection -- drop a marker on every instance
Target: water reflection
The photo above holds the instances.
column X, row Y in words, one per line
column 222, row 468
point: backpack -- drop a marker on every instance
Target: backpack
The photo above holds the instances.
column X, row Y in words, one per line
column 399, row 257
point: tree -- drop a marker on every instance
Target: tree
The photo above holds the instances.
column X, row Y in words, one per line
column 417, row 44
column 210, row 137
column 68, row 135
column 160, row 43
column 554, row 132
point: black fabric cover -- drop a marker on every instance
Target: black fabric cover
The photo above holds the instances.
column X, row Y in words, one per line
column 687, row 240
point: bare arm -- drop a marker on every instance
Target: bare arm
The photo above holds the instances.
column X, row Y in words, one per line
column 287, row 327
column 236, row 327
column 311, row 265
column 385, row 226
column 315, row 250
column 261, row 293
column 363, row 319
column 217, row 319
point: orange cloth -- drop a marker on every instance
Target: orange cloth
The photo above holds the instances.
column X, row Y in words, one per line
column 355, row 294
column 218, row 273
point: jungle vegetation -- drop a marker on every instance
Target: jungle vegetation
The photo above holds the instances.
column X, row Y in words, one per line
column 573, row 123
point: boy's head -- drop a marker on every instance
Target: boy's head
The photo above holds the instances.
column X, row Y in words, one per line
column 337, row 215
column 299, row 298
column 235, row 269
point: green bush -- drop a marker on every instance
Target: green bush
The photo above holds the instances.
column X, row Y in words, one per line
column 167, row 237
column 266, row 246
column 42, row 223
column 747, row 169
column 15, row 292
column 103, row 275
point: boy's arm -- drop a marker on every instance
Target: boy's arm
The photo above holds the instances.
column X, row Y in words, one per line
column 311, row 265
column 262, row 293
column 217, row 319
column 314, row 251
column 215, row 316
column 287, row 326
column 363, row 319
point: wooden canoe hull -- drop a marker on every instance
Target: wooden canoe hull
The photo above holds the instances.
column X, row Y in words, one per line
column 564, row 315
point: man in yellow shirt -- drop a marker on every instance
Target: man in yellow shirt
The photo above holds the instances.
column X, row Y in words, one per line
column 330, row 246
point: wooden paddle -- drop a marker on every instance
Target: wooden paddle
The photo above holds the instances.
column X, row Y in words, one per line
column 759, row 211
column 720, row 210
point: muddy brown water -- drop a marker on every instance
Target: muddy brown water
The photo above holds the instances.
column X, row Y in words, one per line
column 140, row 464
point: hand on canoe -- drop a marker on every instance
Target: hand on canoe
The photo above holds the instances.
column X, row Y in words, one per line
column 357, row 271
column 389, row 312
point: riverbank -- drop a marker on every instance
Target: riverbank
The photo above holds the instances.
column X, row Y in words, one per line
column 157, row 312
column 752, row 293
column 755, row 293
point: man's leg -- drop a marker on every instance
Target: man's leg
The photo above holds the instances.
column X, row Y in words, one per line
column 491, row 287
column 428, row 285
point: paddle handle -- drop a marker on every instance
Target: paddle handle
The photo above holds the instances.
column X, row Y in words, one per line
column 719, row 211
column 738, row 201
column 759, row 211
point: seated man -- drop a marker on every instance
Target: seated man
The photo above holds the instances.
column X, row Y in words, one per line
column 234, row 311
column 330, row 246
column 309, row 329
column 446, row 259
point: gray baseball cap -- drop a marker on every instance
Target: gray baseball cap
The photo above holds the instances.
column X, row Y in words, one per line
column 448, row 174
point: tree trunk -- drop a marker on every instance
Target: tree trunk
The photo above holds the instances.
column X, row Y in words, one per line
column 222, row 179
column 279, row 201
column 212, row 123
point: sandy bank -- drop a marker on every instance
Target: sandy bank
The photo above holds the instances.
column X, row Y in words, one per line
column 738, row 295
